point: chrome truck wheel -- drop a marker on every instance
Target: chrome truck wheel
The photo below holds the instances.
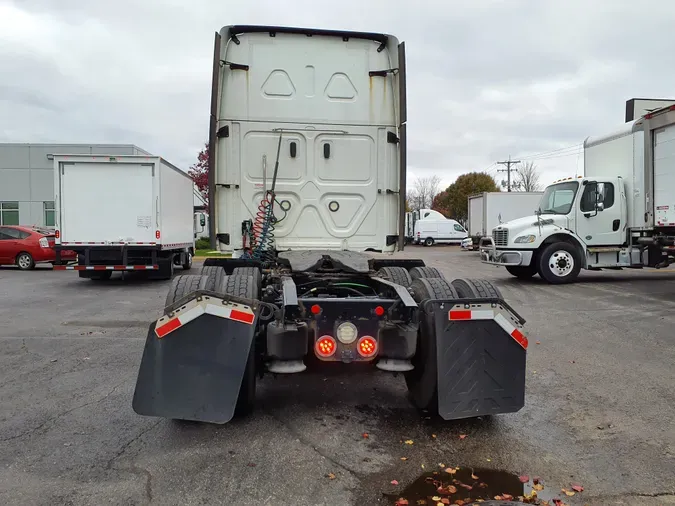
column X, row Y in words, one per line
column 559, row 263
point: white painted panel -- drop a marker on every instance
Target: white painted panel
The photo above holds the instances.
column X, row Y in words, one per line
column 476, row 223
column 176, row 206
column 664, row 176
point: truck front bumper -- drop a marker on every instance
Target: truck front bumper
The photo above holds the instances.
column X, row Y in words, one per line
column 503, row 257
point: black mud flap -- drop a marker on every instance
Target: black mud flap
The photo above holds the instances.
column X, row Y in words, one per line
column 481, row 356
column 194, row 361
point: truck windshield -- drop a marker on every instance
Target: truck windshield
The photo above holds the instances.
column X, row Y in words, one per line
column 558, row 198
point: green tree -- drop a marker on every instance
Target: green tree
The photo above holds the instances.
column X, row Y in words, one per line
column 465, row 186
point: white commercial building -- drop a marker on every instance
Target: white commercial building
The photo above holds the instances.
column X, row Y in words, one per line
column 27, row 178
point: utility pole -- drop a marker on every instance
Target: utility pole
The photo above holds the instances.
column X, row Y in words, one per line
column 508, row 170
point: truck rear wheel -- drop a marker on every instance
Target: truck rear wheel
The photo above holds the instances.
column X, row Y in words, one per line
column 476, row 289
column 396, row 275
column 522, row 271
column 249, row 271
column 187, row 261
column 184, row 285
column 244, row 286
column 215, row 275
column 425, row 272
column 559, row 263
column 422, row 381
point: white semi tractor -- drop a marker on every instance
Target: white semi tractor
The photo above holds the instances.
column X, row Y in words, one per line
column 621, row 215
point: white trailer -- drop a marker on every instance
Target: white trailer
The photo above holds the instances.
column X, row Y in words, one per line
column 620, row 216
column 489, row 209
column 122, row 213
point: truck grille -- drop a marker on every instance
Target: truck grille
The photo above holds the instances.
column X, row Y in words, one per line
column 500, row 237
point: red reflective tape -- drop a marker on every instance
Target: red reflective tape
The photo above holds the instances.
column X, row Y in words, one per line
column 169, row 326
column 139, row 267
column 59, row 267
column 460, row 314
column 520, row 338
column 242, row 316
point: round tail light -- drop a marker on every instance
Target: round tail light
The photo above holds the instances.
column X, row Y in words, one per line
column 325, row 347
column 367, row 346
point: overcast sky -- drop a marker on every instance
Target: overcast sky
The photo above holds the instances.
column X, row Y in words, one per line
column 486, row 78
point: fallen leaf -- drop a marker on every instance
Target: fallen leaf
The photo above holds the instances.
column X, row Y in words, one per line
column 507, row 497
column 421, row 502
column 474, row 477
column 54, row 360
column 435, row 498
column 464, row 485
column 409, row 441
column 394, row 482
column 537, row 342
column 445, row 500
column 451, row 489
column 422, row 466
column 538, row 487
column 451, row 470
column 558, row 502
column 489, row 460
column 482, row 485
column 531, row 496
column 572, row 362
column 404, row 458
column 401, row 502
column 439, row 503
column 534, row 372
column 462, row 436
column 251, row 464
column 459, row 502
column 330, row 476
column 577, row 488
column 524, row 478
column 441, row 465
column 433, row 436
column 498, row 498
column 536, row 480
column 365, row 436
column 568, row 493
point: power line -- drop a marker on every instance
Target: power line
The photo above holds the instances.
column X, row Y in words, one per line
column 508, row 170
column 544, row 153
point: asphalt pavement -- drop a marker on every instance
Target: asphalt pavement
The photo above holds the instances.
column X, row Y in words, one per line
column 599, row 407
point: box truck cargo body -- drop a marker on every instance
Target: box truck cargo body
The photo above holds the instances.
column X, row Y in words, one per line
column 489, row 209
column 123, row 213
column 620, row 215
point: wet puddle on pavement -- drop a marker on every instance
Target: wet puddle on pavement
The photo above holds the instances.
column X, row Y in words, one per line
column 466, row 486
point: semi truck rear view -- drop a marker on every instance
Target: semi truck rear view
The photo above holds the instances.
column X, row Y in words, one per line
column 123, row 213
column 308, row 156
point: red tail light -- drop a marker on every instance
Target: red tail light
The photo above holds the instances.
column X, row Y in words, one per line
column 157, row 234
column 367, row 346
column 315, row 309
column 57, row 234
column 325, row 346
column 379, row 310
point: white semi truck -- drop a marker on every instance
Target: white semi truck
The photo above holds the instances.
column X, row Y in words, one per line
column 620, row 215
column 307, row 167
column 490, row 209
column 123, row 213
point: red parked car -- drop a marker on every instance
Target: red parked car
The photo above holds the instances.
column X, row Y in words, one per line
column 26, row 246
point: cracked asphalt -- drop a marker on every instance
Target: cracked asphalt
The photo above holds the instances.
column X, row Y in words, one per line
column 599, row 405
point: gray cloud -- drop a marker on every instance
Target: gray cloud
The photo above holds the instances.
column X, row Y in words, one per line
column 486, row 78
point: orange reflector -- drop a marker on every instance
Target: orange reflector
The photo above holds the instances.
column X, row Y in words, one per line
column 367, row 346
column 316, row 309
column 325, row 346
column 157, row 234
column 57, row 234
column 379, row 310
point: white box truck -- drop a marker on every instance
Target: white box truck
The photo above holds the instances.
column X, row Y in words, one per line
column 620, row 215
column 123, row 213
column 489, row 209
column 307, row 153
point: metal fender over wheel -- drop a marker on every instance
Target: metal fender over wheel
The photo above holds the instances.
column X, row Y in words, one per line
column 425, row 272
column 215, row 276
column 25, row 261
column 422, row 381
column 183, row 285
column 396, row 275
column 522, row 271
column 559, row 263
column 244, row 286
column 476, row 289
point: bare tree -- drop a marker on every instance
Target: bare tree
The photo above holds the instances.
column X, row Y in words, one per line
column 423, row 192
column 527, row 178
